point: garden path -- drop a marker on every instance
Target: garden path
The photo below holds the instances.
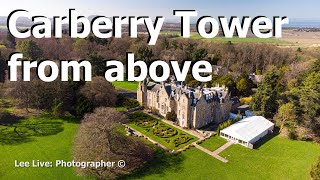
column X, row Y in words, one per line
column 215, row 155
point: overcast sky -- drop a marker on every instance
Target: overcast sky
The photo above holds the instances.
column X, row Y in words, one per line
column 301, row 9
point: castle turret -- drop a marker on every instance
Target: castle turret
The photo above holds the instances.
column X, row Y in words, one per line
column 142, row 92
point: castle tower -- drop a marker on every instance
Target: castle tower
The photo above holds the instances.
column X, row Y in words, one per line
column 142, row 92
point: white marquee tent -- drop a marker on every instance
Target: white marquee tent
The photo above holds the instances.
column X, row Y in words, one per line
column 248, row 131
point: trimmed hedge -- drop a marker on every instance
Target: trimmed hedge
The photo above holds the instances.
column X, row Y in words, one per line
column 181, row 140
column 146, row 123
column 164, row 131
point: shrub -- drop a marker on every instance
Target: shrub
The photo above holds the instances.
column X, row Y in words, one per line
column 171, row 116
column 224, row 125
column 164, row 131
column 154, row 111
column 146, row 123
column 292, row 134
column 181, row 140
column 83, row 106
column 315, row 170
column 57, row 110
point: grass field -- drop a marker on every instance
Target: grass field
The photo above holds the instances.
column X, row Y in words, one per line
column 239, row 40
column 278, row 158
column 213, row 143
column 131, row 86
column 46, row 148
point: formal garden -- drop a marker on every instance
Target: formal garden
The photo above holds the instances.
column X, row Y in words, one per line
column 159, row 131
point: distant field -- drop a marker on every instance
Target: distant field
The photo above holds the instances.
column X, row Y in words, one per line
column 239, row 40
column 170, row 33
column 2, row 46
column 131, row 86
column 20, row 27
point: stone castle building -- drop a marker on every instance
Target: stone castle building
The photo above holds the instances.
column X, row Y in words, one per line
column 195, row 107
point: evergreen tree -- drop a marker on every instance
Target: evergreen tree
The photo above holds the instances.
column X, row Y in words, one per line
column 286, row 115
column 30, row 50
column 244, row 86
column 265, row 100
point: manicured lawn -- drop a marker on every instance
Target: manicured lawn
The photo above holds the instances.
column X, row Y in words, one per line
column 213, row 143
column 131, row 86
column 169, row 141
column 278, row 158
column 239, row 40
column 44, row 148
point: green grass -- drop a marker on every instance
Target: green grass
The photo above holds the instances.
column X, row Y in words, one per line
column 240, row 40
column 6, row 105
column 167, row 142
column 131, row 86
column 121, row 108
column 213, row 143
column 44, row 148
column 278, row 158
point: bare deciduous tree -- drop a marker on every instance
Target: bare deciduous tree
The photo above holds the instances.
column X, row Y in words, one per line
column 100, row 92
column 99, row 138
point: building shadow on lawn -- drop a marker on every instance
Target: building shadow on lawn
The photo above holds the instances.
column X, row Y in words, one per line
column 266, row 138
column 162, row 161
